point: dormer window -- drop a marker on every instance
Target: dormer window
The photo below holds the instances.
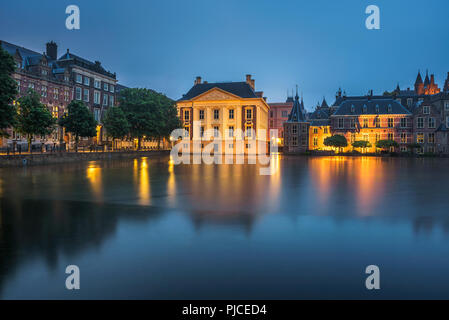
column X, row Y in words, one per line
column 377, row 108
column 365, row 108
column 352, row 108
column 390, row 108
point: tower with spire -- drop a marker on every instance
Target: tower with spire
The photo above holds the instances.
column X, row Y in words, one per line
column 296, row 128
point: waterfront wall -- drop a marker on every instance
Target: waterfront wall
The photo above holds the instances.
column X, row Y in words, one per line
column 67, row 157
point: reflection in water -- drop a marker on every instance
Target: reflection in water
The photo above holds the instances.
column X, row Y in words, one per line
column 93, row 174
column 224, row 226
column 143, row 181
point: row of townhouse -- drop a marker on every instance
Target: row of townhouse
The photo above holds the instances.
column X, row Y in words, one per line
column 59, row 81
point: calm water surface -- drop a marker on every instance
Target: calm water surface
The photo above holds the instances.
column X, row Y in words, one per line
column 144, row 228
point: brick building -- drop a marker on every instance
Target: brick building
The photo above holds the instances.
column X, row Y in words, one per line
column 59, row 81
column 279, row 112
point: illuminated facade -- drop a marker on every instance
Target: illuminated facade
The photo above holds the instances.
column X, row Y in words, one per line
column 372, row 118
column 230, row 111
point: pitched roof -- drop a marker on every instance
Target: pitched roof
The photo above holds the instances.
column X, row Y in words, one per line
column 297, row 114
column 93, row 66
column 320, row 123
column 418, row 78
column 24, row 52
column 240, row 89
column 370, row 105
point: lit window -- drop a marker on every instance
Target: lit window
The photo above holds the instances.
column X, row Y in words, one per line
column 403, row 137
column 420, row 137
column 365, row 123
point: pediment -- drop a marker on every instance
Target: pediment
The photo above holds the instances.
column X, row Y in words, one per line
column 216, row 94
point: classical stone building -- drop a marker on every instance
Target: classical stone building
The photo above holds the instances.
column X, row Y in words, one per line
column 225, row 117
column 296, row 129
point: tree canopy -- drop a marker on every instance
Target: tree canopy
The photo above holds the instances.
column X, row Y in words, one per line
column 115, row 123
column 386, row 144
column 8, row 92
column 33, row 117
column 361, row 144
column 79, row 121
column 336, row 141
column 148, row 113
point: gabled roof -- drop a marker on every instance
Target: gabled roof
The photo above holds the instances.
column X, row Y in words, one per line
column 370, row 105
column 324, row 103
column 240, row 89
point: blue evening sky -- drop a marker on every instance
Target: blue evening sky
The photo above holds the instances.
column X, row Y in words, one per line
column 319, row 45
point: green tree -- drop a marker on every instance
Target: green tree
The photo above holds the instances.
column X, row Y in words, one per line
column 143, row 111
column 386, row 144
column 33, row 117
column 336, row 141
column 116, row 124
column 169, row 120
column 8, row 91
column 79, row 121
column 361, row 144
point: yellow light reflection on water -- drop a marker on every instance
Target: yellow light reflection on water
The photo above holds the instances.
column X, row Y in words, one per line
column 143, row 179
column 171, row 183
column 93, row 174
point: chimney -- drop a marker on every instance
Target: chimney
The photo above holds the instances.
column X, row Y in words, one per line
column 52, row 50
column 253, row 84
column 198, row 80
column 248, row 79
